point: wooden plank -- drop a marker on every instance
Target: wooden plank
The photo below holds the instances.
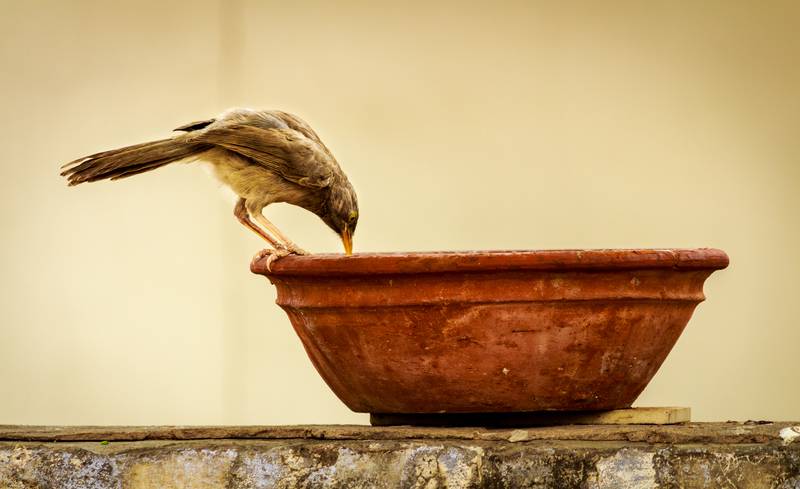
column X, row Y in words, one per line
column 643, row 415
column 634, row 416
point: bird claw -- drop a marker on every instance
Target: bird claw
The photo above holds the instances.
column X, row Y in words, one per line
column 276, row 254
column 296, row 250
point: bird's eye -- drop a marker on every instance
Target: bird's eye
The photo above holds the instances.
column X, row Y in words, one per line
column 352, row 217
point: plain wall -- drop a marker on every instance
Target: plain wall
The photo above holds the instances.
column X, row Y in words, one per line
column 529, row 125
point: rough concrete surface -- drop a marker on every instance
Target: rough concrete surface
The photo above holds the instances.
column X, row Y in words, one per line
column 402, row 457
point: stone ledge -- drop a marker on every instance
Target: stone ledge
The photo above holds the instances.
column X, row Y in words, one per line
column 718, row 433
column 686, row 456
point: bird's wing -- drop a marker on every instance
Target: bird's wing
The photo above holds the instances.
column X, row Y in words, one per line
column 284, row 151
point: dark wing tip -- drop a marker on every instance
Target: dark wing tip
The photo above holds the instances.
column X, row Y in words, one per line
column 194, row 126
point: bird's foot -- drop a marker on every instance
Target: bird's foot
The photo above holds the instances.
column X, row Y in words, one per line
column 296, row 250
column 274, row 254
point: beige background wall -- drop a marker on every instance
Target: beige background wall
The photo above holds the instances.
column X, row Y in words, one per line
column 463, row 126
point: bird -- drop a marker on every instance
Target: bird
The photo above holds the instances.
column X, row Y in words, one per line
column 264, row 156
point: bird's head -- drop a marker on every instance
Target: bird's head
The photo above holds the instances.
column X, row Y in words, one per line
column 340, row 213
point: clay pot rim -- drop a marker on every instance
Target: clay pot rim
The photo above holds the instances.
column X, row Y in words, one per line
column 494, row 260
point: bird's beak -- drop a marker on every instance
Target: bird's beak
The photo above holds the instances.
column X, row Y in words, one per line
column 347, row 240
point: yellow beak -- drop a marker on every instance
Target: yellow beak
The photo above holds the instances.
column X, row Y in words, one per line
column 347, row 240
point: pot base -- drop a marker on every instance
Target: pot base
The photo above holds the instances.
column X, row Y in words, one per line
column 646, row 415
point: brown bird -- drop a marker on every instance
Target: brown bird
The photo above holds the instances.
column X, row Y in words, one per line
column 264, row 156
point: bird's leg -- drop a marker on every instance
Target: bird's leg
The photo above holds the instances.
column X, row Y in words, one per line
column 240, row 211
column 278, row 249
column 286, row 242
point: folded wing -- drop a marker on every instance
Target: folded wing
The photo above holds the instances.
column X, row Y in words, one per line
column 283, row 150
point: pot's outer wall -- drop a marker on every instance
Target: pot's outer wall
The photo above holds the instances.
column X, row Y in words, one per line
column 493, row 331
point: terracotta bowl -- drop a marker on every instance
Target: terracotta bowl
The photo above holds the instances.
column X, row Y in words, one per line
column 491, row 332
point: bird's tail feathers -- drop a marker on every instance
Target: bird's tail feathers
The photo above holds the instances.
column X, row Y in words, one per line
column 130, row 160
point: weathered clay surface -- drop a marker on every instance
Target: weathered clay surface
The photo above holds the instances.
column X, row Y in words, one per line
column 409, row 460
column 491, row 331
